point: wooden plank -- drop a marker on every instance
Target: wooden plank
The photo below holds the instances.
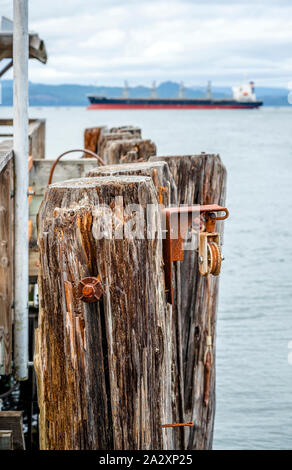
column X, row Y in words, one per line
column 6, row 440
column 37, row 138
column 12, row 420
column 6, row 153
column 66, row 169
column 103, row 369
column 33, row 264
column 6, row 122
column 6, row 256
column 37, row 48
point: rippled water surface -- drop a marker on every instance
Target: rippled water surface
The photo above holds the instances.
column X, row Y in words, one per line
column 254, row 378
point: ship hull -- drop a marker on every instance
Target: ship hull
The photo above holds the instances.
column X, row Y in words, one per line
column 169, row 106
column 142, row 103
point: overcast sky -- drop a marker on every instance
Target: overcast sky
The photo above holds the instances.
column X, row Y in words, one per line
column 104, row 42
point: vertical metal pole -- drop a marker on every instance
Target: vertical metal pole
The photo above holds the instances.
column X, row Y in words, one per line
column 20, row 146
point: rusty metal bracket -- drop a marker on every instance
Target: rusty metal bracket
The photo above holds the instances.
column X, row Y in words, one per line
column 177, row 222
column 90, row 289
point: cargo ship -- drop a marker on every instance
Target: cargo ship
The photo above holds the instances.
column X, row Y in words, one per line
column 243, row 98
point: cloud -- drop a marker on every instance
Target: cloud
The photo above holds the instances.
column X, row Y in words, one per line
column 107, row 41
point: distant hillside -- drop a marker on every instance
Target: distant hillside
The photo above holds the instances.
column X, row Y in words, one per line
column 75, row 95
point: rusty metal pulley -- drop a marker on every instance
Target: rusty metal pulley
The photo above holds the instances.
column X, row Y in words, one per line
column 210, row 257
column 184, row 218
column 214, row 258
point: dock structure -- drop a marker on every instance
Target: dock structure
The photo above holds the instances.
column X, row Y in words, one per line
column 124, row 350
column 142, row 356
column 111, row 374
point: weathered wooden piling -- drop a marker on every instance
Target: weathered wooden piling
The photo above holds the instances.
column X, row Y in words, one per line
column 128, row 150
column 166, row 192
column 134, row 131
column 103, row 369
column 123, row 145
column 109, row 137
column 92, row 136
column 200, row 179
column 197, row 179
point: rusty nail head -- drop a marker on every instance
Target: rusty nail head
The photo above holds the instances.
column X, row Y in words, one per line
column 90, row 289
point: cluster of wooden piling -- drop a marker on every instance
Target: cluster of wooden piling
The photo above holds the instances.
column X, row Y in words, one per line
column 112, row 372
column 119, row 144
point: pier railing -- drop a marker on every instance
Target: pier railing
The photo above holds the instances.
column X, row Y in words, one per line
column 36, row 135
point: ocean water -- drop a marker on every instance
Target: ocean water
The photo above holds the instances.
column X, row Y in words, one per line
column 254, row 330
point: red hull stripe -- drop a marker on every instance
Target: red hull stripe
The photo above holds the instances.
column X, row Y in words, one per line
column 167, row 106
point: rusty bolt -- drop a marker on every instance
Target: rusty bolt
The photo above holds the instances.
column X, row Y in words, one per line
column 90, row 289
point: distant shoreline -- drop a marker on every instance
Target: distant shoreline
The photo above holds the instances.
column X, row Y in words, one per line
column 76, row 95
